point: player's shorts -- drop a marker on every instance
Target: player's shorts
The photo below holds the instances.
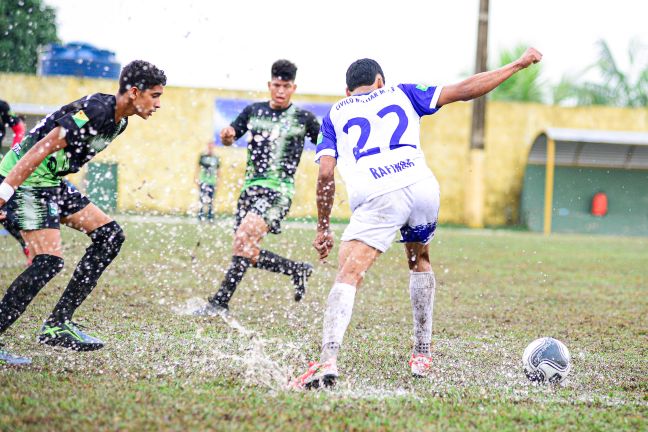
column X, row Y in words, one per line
column 35, row 208
column 271, row 205
column 206, row 193
column 413, row 210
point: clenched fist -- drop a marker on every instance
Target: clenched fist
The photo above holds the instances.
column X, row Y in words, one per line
column 530, row 56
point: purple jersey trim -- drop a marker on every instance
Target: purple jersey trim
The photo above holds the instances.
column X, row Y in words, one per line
column 423, row 98
column 327, row 143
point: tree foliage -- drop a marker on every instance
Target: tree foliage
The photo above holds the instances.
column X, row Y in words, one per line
column 25, row 25
column 615, row 87
column 521, row 87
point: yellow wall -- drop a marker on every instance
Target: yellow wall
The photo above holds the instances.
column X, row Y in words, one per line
column 158, row 157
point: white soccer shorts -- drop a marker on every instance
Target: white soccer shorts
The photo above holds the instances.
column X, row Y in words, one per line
column 413, row 210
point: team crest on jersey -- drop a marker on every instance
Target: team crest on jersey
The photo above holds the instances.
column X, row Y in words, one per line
column 53, row 209
column 80, row 118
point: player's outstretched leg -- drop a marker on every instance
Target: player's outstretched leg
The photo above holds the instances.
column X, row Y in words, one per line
column 298, row 271
column 59, row 330
column 422, row 287
column 218, row 304
column 339, row 307
column 21, row 292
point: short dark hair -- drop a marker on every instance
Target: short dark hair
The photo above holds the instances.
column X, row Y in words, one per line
column 284, row 70
column 363, row 72
column 140, row 74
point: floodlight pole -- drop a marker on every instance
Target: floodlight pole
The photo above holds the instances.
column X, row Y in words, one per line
column 474, row 203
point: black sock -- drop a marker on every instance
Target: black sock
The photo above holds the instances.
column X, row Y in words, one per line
column 23, row 290
column 272, row 262
column 233, row 277
column 106, row 243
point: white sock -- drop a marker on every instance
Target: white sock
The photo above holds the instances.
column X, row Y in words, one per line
column 422, row 287
column 339, row 307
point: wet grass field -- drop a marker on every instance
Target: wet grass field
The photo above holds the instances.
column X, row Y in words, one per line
column 496, row 292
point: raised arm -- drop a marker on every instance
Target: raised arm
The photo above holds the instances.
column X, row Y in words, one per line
column 323, row 242
column 53, row 141
column 482, row 83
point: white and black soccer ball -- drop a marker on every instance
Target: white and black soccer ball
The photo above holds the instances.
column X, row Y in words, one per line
column 546, row 360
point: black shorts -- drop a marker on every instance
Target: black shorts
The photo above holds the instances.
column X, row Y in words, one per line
column 271, row 205
column 35, row 208
column 206, row 193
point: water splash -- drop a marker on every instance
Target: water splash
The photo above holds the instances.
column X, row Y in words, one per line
column 257, row 366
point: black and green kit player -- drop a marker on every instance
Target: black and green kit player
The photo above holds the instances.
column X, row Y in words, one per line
column 208, row 164
column 8, row 118
column 276, row 131
column 34, row 192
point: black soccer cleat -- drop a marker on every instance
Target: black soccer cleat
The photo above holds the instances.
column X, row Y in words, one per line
column 300, row 279
column 211, row 309
column 68, row 335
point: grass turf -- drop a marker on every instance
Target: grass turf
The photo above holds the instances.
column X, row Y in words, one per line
column 496, row 291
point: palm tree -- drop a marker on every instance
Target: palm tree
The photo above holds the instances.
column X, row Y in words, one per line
column 524, row 87
column 616, row 87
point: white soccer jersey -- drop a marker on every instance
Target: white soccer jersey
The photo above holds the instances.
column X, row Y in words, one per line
column 375, row 138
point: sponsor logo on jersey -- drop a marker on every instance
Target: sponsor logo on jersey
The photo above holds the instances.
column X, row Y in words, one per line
column 99, row 143
column 80, row 118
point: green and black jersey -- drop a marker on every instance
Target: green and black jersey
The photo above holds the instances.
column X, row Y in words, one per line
column 275, row 144
column 89, row 125
column 209, row 165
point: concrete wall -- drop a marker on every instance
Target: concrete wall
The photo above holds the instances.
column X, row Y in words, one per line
column 158, row 157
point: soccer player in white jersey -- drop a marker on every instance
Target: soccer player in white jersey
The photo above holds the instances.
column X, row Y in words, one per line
column 372, row 136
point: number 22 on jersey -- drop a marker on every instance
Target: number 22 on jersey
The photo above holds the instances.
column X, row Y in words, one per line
column 365, row 130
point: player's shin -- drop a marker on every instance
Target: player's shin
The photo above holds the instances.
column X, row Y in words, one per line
column 339, row 308
column 23, row 290
column 233, row 277
column 106, row 244
column 422, row 287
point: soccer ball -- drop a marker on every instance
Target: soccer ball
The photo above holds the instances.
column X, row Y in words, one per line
column 546, row 360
